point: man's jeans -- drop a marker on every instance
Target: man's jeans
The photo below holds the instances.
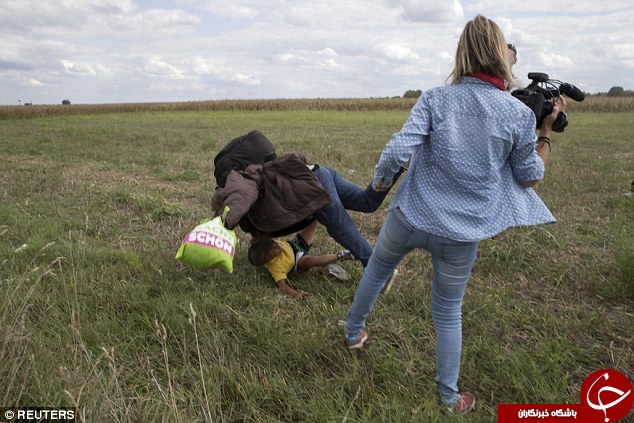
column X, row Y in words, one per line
column 347, row 196
column 452, row 262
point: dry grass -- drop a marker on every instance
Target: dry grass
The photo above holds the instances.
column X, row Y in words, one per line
column 591, row 104
column 603, row 104
column 342, row 104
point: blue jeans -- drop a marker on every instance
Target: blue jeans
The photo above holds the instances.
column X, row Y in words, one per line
column 452, row 262
column 347, row 196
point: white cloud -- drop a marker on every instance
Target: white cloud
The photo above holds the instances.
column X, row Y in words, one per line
column 201, row 66
column 157, row 67
column 63, row 13
column 234, row 9
column 134, row 50
column 396, row 51
column 328, row 52
column 331, row 64
column 78, row 68
column 34, row 82
column 245, row 79
column 555, row 61
column 153, row 23
column 288, row 57
column 428, row 10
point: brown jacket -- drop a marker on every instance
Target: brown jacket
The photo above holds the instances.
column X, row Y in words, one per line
column 275, row 198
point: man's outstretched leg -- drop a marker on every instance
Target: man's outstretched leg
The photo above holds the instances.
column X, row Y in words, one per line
column 338, row 222
column 352, row 196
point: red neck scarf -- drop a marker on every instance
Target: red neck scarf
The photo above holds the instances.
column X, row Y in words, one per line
column 498, row 82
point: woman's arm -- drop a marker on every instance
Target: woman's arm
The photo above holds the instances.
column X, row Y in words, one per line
column 544, row 138
column 400, row 147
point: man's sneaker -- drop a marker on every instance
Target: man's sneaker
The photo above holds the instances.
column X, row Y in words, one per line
column 388, row 285
column 344, row 255
column 465, row 403
column 357, row 341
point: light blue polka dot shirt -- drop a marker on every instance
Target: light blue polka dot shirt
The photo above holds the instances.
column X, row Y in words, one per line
column 470, row 145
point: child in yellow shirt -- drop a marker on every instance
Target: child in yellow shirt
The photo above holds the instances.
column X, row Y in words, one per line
column 283, row 257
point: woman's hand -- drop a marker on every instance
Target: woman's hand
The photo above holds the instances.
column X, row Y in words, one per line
column 559, row 105
column 380, row 186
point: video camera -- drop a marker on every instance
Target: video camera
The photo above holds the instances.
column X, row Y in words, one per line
column 540, row 95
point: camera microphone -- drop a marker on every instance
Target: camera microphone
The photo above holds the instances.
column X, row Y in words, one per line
column 572, row 91
column 539, row 96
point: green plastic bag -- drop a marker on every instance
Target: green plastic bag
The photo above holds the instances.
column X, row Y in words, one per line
column 209, row 246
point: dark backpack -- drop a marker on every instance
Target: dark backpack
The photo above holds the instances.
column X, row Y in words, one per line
column 251, row 148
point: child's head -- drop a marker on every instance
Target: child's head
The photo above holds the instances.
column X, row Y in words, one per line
column 263, row 250
column 218, row 200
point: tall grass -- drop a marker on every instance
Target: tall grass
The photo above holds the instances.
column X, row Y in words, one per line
column 97, row 314
column 595, row 103
column 350, row 104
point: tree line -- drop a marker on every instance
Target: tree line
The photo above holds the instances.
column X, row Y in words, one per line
column 619, row 92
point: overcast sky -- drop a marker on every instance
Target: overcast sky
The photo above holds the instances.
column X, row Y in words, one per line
column 117, row 51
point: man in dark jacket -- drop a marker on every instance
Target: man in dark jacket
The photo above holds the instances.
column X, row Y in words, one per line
column 282, row 196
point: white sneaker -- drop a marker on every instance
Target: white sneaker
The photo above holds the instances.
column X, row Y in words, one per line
column 338, row 272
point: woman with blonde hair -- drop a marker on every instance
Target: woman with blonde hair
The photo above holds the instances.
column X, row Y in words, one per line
column 474, row 157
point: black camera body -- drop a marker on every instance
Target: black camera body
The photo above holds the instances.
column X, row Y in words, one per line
column 540, row 95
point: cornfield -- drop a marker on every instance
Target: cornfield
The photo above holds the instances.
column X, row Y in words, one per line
column 591, row 104
column 351, row 104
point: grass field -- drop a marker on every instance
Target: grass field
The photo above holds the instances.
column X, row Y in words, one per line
column 97, row 314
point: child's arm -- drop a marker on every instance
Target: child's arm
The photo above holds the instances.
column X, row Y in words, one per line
column 284, row 286
column 307, row 262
